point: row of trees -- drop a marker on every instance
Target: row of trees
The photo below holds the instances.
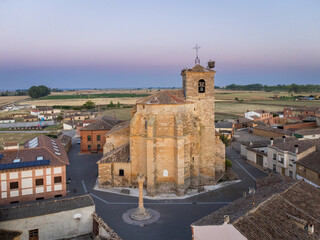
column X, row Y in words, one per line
column 293, row 88
column 38, row 91
column 14, row 93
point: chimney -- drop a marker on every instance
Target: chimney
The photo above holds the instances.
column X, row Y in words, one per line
column 226, row 219
column 284, row 138
column 296, row 149
column 310, row 228
column 271, row 141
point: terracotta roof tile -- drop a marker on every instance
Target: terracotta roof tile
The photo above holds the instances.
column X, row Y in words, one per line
column 164, row 97
column 45, row 148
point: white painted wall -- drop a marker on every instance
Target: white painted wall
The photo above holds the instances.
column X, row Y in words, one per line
column 54, row 226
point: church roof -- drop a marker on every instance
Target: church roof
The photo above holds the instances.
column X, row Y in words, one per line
column 197, row 68
column 164, row 97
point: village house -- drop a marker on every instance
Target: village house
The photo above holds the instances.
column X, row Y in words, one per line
column 270, row 132
column 19, row 115
column 171, row 139
column 226, row 128
column 300, row 113
column 308, row 168
column 308, row 133
column 61, row 218
column 283, row 156
column 93, row 135
column 278, row 209
column 30, row 118
column 36, row 172
column 7, row 120
column 46, row 116
column 257, row 151
column 78, row 116
column 48, row 110
column 260, row 115
column 11, row 146
column 243, row 123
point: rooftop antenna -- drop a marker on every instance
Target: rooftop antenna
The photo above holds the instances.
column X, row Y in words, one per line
column 197, row 61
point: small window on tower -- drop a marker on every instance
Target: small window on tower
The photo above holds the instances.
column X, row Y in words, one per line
column 202, row 86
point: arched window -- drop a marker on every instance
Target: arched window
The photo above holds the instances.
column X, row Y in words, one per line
column 165, row 173
column 202, row 86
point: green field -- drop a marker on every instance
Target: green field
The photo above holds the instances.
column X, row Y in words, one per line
column 101, row 95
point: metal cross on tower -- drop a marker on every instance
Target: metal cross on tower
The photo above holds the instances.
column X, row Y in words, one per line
column 197, row 61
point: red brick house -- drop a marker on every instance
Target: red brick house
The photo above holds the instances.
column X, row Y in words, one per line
column 93, row 135
column 36, row 172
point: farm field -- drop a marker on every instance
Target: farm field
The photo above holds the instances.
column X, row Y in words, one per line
column 11, row 99
column 80, row 102
column 19, row 137
column 120, row 113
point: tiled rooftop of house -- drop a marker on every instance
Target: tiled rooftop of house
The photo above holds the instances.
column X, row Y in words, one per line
column 283, row 209
column 308, row 131
column 101, row 123
column 312, row 161
column 45, row 207
column 303, row 145
column 40, row 149
column 224, row 124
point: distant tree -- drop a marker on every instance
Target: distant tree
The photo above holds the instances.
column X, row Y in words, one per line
column 38, row 91
column 59, row 118
column 111, row 104
column 118, row 105
column 89, row 104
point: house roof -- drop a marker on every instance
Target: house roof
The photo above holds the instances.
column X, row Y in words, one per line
column 308, row 131
column 282, row 210
column 41, row 146
column 119, row 154
column 118, row 127
column 311, row 161
column 224, row 124
column 289, row 146
column 164, row 97
column 64, row 139
column 45, row 108
column 11, row 144
column 261, row 111
column 265, row 143
column 29, row 210
column 101, row 123
column 197, row 68
column 30, row 117
column 244, row 120
column 275, row 130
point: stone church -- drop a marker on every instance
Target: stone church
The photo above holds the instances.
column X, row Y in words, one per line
column 171, row 139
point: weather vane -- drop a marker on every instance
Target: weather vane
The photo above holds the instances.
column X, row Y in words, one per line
column 197, row 61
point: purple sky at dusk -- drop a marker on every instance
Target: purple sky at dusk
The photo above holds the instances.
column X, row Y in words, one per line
column 112, row 44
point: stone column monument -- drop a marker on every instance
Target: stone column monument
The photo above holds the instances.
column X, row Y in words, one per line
column 140, row 213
